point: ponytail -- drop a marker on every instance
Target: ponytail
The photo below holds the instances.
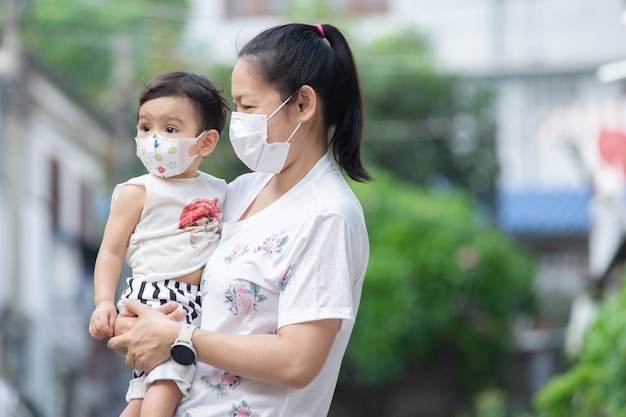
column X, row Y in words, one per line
column 347, row 113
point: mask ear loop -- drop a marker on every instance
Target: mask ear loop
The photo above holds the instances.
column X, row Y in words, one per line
column 200, row 135
column 196, row 142
column 282, row 105
column 294, row 132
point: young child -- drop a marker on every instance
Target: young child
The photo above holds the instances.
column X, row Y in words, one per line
column 165, row 223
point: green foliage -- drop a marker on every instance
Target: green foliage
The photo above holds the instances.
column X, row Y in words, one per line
column 437, row 278
column 427, row 126
column 492, row 402
column 594, row 385
column 105, row 48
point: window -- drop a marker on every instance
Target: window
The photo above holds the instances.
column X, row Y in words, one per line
column 55, row 199
column 89, row 242
column 86, row 217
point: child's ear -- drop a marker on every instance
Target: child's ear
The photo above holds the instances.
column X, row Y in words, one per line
column 208, row 141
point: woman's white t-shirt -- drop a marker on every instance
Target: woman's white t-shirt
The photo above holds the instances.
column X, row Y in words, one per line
column 301, row 259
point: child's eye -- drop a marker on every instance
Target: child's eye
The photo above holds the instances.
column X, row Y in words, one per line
column 170, row 130
column 145, row 128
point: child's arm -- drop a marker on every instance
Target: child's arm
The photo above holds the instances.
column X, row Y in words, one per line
column 123, row 218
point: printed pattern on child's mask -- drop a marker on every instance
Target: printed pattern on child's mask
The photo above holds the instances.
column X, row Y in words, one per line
column 165, row 157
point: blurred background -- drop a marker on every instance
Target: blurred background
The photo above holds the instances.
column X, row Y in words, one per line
column 496, row 131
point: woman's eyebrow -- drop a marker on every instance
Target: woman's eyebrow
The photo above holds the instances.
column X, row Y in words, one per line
column 239, row 97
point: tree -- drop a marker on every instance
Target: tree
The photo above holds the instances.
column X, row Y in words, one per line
column 594, row 384
column 84, row 42
column 441, row 286
column 427, row 126
column 103, row 52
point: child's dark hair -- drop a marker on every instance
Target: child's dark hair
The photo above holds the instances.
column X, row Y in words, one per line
column 290, row 56
column 207, row 100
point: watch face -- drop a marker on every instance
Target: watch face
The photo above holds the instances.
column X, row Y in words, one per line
column 183, row 354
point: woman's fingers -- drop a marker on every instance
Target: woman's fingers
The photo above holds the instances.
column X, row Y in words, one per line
column 171, row 309
column 135, row 308
column 141, row 332
column 118, row 343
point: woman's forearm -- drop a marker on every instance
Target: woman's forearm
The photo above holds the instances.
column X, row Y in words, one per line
column 293, row 357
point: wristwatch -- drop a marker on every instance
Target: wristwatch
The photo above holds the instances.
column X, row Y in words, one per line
column 182, row 350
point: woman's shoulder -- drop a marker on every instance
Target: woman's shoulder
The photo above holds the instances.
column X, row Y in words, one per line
column 333, row 193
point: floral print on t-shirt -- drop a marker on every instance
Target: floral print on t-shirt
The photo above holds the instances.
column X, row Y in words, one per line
column 238, row 251
column 286, row 279
column 242, row 297
column 242, row 410
column 221, row 382
column 273, row 244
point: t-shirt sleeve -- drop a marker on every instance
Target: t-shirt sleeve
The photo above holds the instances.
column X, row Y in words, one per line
column 325, row 278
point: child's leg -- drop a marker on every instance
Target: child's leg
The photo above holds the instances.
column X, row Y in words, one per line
column 161, row 399
column 133, row 409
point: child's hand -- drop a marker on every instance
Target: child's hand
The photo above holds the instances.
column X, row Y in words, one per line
column 102, row 320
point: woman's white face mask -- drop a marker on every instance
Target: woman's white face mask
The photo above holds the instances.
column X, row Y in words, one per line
column 248, row 136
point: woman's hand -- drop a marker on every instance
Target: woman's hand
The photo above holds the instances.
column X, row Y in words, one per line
column 126, row 319
column 145, row 334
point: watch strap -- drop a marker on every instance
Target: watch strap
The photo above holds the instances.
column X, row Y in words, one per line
column 185, row 334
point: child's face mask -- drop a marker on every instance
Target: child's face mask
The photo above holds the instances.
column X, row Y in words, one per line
column 166, row 157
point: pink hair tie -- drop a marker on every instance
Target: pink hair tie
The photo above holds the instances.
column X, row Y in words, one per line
column 321, row 30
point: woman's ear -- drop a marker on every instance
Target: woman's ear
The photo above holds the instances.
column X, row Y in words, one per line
column 307, row 102
column 208, row 141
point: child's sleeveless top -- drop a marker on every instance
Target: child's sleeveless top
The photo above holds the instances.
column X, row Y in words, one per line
column 179, row 226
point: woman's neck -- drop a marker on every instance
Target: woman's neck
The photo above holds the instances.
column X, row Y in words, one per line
column 282, row 182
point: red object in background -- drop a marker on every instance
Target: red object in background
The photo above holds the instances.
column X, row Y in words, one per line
column 612, row 146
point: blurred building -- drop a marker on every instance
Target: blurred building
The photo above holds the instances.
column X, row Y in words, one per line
column 561, row 120
column 52, row 172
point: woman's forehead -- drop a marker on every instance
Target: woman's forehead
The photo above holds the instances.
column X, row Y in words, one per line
column 246, row 83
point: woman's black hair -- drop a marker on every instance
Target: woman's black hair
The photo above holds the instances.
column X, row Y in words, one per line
column 290, row 56
column 208, row 102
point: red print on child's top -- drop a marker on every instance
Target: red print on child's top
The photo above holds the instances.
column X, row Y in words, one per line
column 201, row 219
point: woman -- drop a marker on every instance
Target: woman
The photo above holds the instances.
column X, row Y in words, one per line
column 281, row 291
